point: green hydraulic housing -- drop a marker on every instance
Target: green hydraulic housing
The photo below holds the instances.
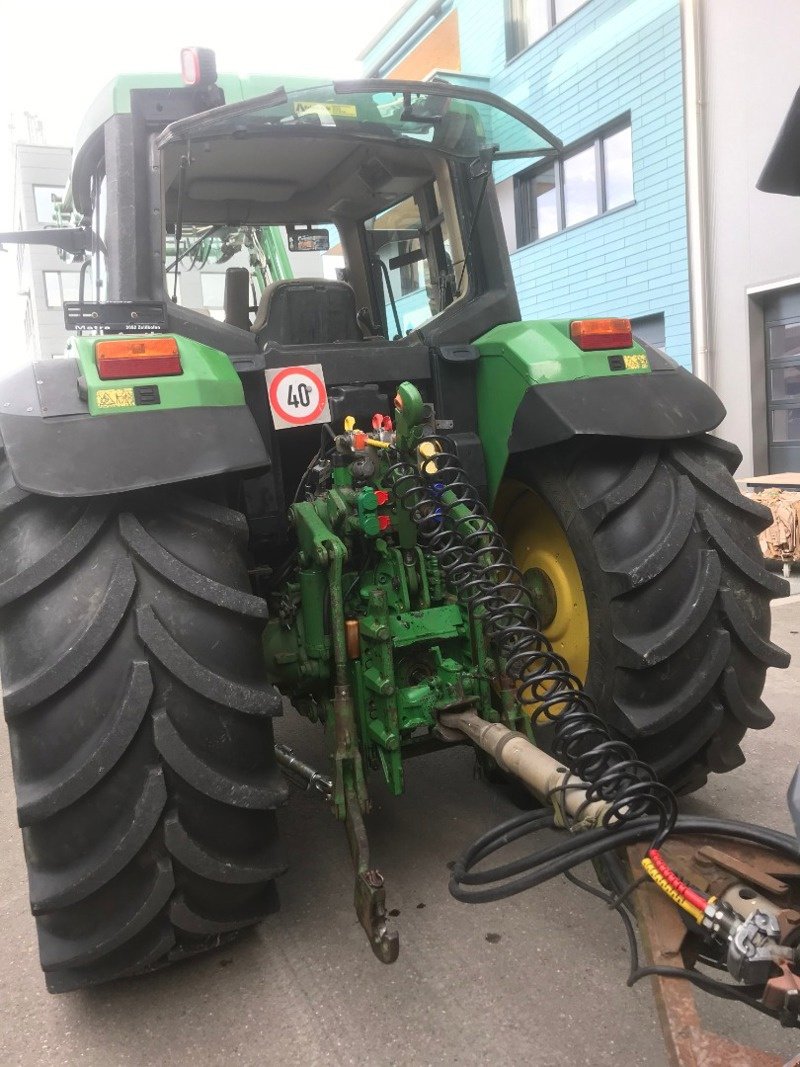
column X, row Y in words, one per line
column 411, row 650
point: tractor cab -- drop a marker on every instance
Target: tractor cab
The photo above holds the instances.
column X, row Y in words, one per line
column 387, row 170
column 282, row 222
column 394, row 173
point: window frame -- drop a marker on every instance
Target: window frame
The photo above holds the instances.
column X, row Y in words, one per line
column 776, row 405
column 516, row 40
column 524, row 202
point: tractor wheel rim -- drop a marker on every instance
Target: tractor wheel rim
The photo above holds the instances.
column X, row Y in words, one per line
column 541, row 549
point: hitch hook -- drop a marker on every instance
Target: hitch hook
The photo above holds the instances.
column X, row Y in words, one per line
column 370, row 892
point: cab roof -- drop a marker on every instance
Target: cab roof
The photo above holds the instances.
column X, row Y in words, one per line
column 115, row 97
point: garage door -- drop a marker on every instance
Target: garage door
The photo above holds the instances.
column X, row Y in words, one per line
column 782, row 323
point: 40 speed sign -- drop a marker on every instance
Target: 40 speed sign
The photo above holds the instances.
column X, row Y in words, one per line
column 297, row 396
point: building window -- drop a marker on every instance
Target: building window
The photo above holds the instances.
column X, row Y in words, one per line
column 60, row 286
column 528, row 20
column 212, row 287
column 591, row 179
column 44, row 199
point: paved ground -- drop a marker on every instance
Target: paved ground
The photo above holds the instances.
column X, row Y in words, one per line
column 538, row 979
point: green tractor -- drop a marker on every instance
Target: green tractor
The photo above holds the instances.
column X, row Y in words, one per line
column 207, row 524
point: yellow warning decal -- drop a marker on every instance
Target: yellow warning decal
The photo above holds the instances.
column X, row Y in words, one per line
column 315, row 107
column 636, row 362
column 115, row 398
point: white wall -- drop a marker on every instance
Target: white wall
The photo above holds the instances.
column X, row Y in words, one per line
column 751, row 73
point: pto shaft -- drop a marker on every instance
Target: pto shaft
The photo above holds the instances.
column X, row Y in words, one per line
column 545, row 777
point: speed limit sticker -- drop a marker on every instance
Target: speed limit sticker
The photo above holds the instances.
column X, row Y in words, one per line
column 297, row 396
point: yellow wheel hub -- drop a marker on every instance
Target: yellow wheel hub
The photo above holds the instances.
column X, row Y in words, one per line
column 541, row 550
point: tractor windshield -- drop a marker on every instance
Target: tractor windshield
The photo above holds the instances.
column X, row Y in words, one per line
column 449, row 119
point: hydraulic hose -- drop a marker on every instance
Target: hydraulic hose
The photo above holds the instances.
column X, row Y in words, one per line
column 456, row 529
column 508, row 879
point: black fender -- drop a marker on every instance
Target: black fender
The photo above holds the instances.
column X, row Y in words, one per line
column 56, row 448
column 667, row 403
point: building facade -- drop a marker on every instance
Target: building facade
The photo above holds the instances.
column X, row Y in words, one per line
column 41, row 173
column 667, row 109
column 749, row 76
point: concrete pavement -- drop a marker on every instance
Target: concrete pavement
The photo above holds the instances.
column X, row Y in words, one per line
column 538, row 979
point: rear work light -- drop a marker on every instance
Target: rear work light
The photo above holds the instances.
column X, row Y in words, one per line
column 593, row 335
column 151, row 357
column 198, row 67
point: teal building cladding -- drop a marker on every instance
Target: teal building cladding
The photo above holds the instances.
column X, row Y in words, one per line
column 605, row 232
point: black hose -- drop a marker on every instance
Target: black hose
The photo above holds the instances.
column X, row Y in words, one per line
column 508, row 879
column 456, row 529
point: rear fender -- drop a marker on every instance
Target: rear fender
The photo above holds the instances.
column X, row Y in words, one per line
column 67, row 433
column 536, row 387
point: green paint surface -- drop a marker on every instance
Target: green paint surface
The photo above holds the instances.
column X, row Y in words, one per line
column 208, row 378
column 520, row 355
column 115, row 97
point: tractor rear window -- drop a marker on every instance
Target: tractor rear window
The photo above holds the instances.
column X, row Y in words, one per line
column 210, row 261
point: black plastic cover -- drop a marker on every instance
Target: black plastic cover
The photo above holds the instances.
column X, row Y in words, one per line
column 669, row 403
column 57, row 453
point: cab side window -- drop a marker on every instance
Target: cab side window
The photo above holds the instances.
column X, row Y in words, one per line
column 411, row 259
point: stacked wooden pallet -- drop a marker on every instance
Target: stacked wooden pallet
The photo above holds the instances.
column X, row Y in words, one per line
column 781, row 494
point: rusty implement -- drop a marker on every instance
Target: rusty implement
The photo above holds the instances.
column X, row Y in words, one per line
column 744, row 875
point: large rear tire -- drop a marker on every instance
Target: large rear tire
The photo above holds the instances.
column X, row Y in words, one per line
column 140, row 727
column 661, row 593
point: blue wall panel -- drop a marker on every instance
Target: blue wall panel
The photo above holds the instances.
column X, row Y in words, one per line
column 609, row 58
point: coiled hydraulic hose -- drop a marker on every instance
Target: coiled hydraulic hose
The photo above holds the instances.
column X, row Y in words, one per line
column 456, row 528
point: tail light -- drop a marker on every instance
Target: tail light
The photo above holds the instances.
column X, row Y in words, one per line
column 198, row 67
column 592, row 335
column 151, row 357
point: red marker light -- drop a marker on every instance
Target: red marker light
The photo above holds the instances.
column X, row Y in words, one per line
column 146, row 357
column 593, row 335
column 198, row 66
column 190, row 66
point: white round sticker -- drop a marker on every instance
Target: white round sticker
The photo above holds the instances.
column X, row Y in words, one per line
column 297, row 396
